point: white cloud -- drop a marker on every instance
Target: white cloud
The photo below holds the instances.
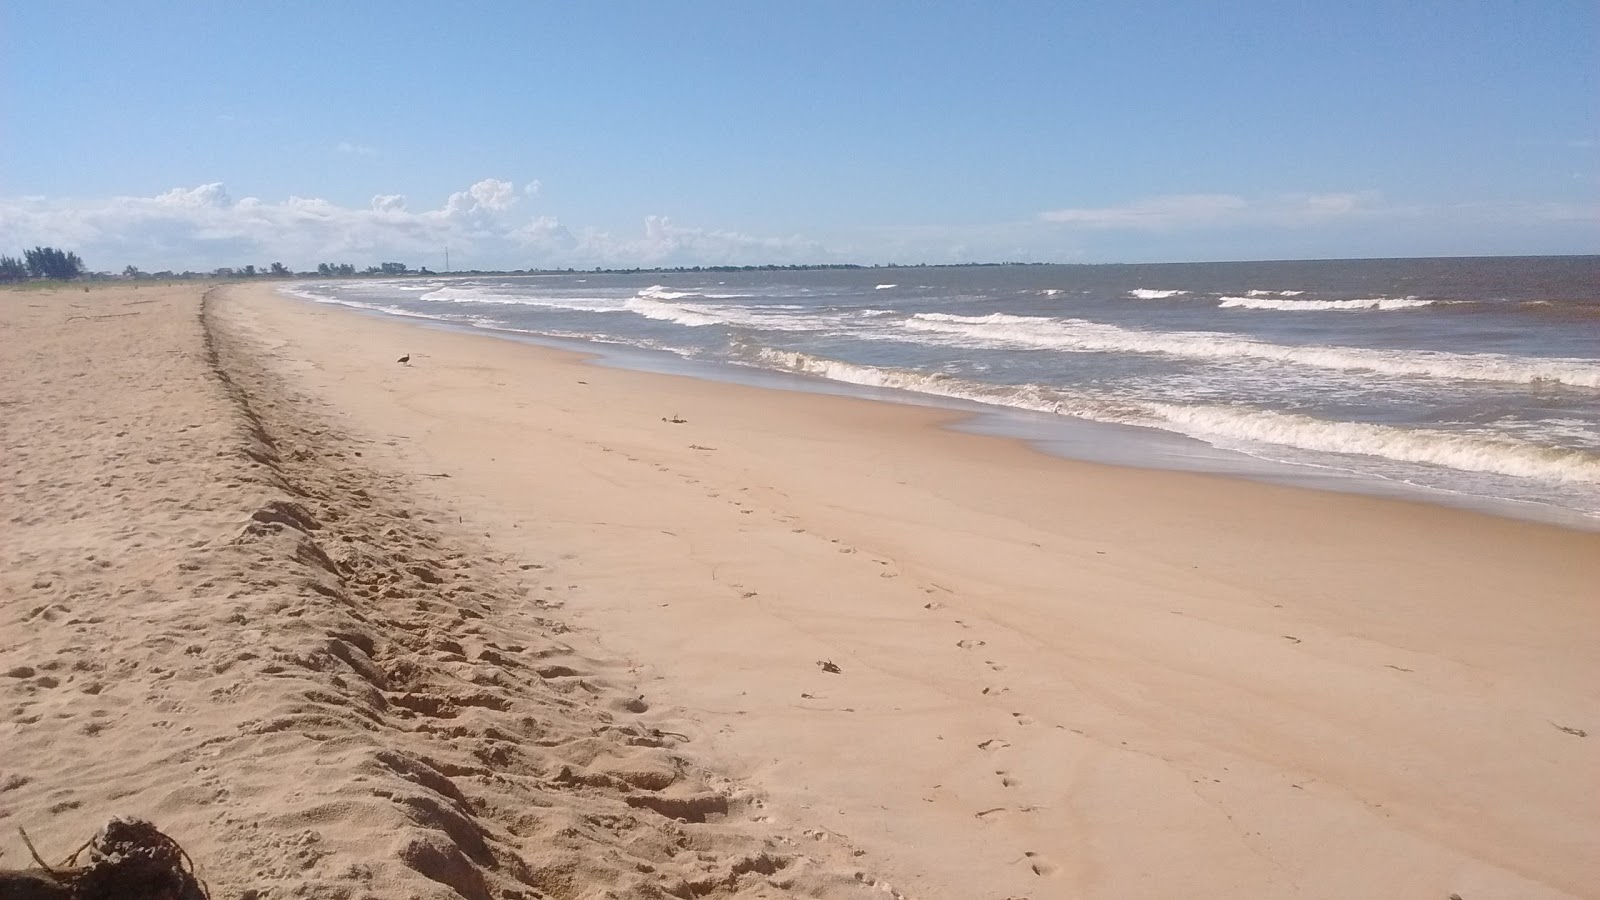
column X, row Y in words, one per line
column 487, row 196
column 495, row 224
column 355, row 149
column 1177, row 211
column 1155, row 212
column 201, row 228
column 212, row 195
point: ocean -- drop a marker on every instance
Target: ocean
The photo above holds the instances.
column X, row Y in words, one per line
column 1466, row 381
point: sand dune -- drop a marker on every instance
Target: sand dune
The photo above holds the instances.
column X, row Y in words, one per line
column 215, row 615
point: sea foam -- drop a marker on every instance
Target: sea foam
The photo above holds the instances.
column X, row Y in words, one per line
column 1001, row 330
column 1470, row 453
column 1228, row 427
column 767, row 317
column 1378, row 303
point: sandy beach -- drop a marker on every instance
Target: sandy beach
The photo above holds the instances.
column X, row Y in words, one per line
column 500, row 622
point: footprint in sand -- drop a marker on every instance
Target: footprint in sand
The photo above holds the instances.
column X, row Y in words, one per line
column 1040, row 865
column 994, row 744
column 970, row 644
column 1022, row 719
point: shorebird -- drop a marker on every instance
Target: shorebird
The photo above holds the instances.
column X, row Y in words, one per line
column 405, row 359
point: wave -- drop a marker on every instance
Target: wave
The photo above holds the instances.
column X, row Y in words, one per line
column 1030, row 397
column 660, row 292
column 1254, row 293
column 1147, row 294
column 1469, row 453
column 691, row 315
column 771, row 317
column 576, row 304
column 1001, row 330
column 372, row 307
column 1379, row 303
column 885, row 287
column 1228, row 427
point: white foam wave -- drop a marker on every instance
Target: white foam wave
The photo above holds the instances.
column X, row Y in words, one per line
column 577, row 304
column 1379, row 303
column 1273, row 293
column 1031, row 397
column 1228, row 427
column 1001, row 330
column 305, row 294
column 885, row 287
column 1470, row 453
column 659, row 292
column 371, row 307
column 1051, row 292
column 1147, row 294
column 774, row 317
column 459, row 294
column 689, row 315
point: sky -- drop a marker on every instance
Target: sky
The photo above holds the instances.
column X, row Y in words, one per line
column 193, row 135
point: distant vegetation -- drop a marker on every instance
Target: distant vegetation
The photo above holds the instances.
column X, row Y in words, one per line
column 41, row 262
column 51, row 263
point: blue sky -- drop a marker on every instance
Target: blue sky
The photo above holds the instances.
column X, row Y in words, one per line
column 194, row 135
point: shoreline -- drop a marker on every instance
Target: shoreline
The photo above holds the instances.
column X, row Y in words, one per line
column 1119, row 681
column 1065, row 437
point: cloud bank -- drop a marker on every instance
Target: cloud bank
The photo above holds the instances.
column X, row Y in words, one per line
column 201, row 228
column 1216, row 210
column 497, row 224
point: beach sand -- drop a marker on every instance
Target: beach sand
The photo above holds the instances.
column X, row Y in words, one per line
column 215, row 616
column 526, row 612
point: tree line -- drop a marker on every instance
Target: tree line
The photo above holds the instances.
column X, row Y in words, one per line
column 62, row 265
column 41, row 262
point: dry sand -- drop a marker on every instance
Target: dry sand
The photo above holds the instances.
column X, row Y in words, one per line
column 215, row 616
column 1056, row 679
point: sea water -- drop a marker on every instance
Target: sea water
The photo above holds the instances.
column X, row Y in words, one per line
column 1463, row 379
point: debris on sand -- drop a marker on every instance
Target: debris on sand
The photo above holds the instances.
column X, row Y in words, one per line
column 129, row 859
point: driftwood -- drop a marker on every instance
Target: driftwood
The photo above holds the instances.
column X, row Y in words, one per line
column 129, row 859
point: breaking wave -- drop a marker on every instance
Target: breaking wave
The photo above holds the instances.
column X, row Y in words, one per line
column 1380, row 303
column 1226, row 426
column 1468, row 453
column 578, row 304
column 1147, row 294
column 1001, row 330
column 652, row 306
column 672, row 306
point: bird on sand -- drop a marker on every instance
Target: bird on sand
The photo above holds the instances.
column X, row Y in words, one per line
column 405, row 359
